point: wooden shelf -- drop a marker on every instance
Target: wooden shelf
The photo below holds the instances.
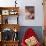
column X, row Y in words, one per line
column 5, row 12
column 9, row 26
column 9, row 43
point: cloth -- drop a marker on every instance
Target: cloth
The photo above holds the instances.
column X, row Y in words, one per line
column 29, row 34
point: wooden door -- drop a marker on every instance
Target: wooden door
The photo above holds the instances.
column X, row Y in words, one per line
column 44, row 4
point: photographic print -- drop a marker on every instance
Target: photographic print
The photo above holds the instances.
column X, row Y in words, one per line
column 5, row 12
column 29, row 11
